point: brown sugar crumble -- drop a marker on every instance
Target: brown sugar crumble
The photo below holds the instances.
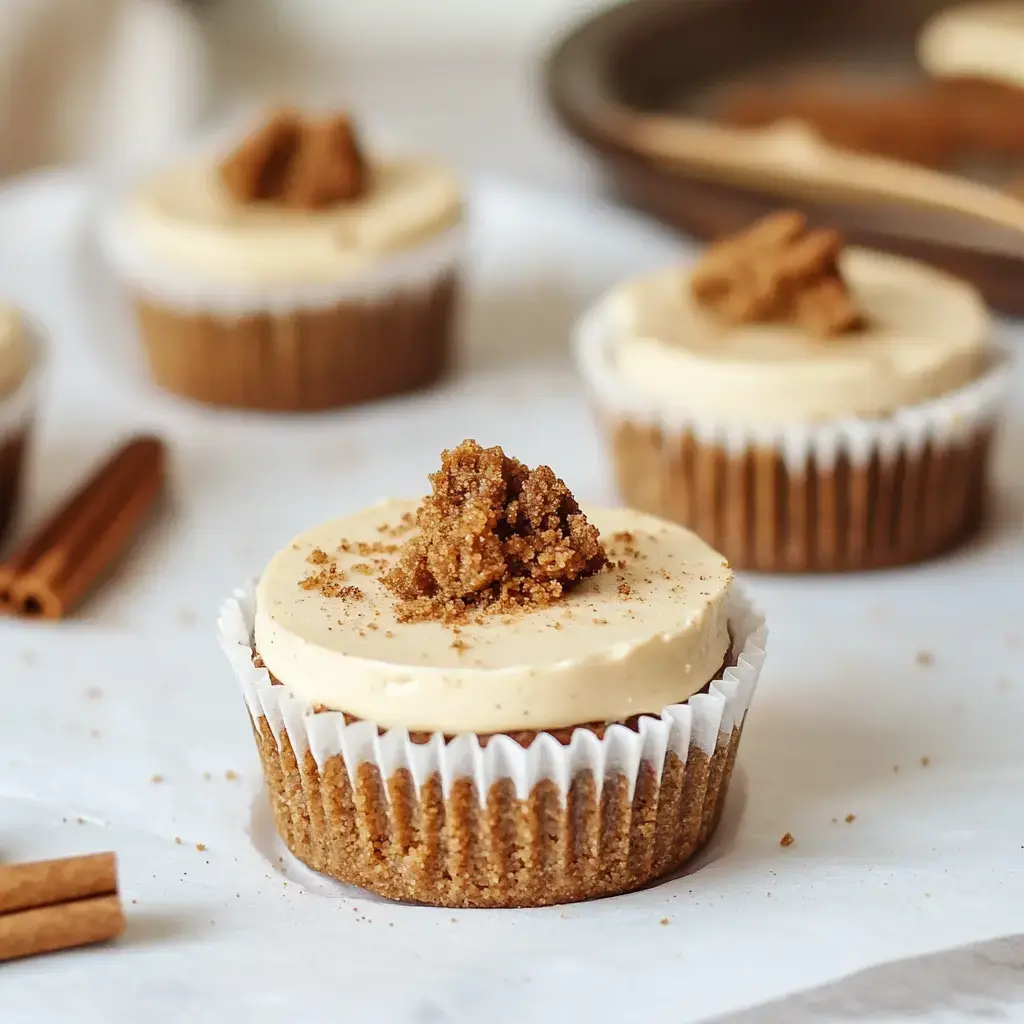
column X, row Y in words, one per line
column 850, row 819
column 299, row 162
column 777, row 271
column 494, row 536
column 787, row 839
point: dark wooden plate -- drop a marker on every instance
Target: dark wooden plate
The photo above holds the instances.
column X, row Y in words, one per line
column 666, row 56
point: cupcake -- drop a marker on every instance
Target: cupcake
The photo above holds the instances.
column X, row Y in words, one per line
column 495, row 699
column 293, row 273
column 972, row 51
column 802, row 407
column 18, row 358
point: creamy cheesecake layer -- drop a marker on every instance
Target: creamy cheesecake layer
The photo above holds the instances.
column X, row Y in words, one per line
column 928, row 333
column 976, row 40
column 631, row 640
column 15, row 351
column 186, row 218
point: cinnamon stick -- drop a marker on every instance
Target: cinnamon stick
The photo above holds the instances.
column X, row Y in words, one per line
column 60, row 926
column 58, row 566
column 57, row 904
column 24, row 886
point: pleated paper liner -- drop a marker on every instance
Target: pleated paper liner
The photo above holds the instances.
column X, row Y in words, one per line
column 847, row 495
column 306, row 359
column 387, row 329
column 473, row 822
column 17, row 412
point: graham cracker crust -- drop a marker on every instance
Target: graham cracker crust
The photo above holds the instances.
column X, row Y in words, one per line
column 765, row 517
column 12, row 458
column 303, row 360
column 384, row 836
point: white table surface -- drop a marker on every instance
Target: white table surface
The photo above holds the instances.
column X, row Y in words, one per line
column 135, row 687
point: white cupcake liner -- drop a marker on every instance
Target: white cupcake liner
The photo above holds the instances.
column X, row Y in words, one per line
column 705, row 722
column 943, row 421
column 415, row 269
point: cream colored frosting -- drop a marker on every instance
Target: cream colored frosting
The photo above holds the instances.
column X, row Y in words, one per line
column 928, row 334
column 15, row 352
column 977, row 40
column 187, row 218
column 598, row 655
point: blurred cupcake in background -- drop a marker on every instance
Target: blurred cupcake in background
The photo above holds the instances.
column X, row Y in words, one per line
column 19, row 357
column 294, row 272
column 800, row 406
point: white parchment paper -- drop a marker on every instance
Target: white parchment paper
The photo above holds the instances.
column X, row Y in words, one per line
column 896, row 699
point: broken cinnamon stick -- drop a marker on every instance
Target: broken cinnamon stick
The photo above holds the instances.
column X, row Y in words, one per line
column 58, row 904
column 58, row 566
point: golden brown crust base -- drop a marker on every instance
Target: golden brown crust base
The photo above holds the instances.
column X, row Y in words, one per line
column 306, row 360
column 12, row 458
column 383, row 836
column 764, row 517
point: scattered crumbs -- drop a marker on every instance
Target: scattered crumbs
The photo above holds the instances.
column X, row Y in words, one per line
column 372, row 625
column 623, row 537
column 453, row 920
column 134, row 902
column 625, row 589
column 200, row 847
column 295, row 547
column 177, row 840
column 157, row 778
column 925, row 761
column 93, row 692
column 80, row 820
column 555, row 625
column 924, row 659
column 388, row 634
column 928, row 894
column 665, row 574
column 460, row 645
column 621, row 563
column 230, row 775
column 317, row 557
column 787, row 839
column 350, row 594
column 895, row 768
column 664, row 920
column 600, row 622
column 363, row 569
column 835, row 821
column 850, row 819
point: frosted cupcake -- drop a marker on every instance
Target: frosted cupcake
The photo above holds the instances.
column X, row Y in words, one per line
column 19, row 356
column 802, row 407
column 484, row 701
column 294, row 273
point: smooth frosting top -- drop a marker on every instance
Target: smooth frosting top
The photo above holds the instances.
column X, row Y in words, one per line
column 627, row 641
column 927, row 334
column 186, row 217
column 977, row 40
column 15, row 352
